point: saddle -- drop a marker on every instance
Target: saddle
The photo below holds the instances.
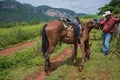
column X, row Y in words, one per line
column 65, row 22
column 68, row 23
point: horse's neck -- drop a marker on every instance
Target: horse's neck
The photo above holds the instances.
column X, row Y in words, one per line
column 87, row 29
column 86, row 32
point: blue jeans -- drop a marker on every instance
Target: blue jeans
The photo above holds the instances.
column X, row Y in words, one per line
column 106, row 42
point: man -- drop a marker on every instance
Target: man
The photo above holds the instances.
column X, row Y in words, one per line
column 108, row 24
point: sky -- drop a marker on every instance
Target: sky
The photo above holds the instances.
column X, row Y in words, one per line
column 79, row 6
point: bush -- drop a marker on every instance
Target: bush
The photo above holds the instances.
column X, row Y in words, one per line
column 11, row 36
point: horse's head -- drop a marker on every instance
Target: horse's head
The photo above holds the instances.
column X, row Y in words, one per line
column 92, row 24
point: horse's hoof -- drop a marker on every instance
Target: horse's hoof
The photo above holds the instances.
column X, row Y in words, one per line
column 47, row 73
column 80, row 68
column 88, row 58
column 74, row 64
column 50, row 68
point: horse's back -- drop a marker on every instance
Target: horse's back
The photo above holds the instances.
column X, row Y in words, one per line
column 53, row 24
column 55, row 31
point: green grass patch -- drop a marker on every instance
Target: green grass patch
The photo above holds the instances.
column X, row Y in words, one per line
column 97, row 68
column 14, row 35
column 24, row 62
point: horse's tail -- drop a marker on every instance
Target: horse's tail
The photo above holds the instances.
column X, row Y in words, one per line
column 44, row 40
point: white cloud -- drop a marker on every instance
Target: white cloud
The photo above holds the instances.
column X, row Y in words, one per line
column 79, row 6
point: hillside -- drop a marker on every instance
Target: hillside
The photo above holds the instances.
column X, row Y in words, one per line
column 13, row 11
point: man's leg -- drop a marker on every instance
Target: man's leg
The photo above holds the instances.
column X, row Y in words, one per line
column 106, row 43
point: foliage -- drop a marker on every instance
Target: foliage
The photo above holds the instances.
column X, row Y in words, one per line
column 13, row 11
column 113, row 6
column 15, row 24
column 23, row 63
column 115, row 44
column 14, row 35
column 88, row 17
column 11, row 67
column 97, row 68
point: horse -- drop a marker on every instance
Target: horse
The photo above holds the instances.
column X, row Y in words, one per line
column 54, row 32
column 84, row 41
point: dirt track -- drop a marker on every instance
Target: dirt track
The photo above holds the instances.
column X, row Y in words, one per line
column 55, row 63
column 14, row 49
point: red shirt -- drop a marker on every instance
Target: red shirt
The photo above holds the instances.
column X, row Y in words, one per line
column 109, row 24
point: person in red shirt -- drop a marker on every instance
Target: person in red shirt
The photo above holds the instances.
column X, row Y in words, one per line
column 108, row 24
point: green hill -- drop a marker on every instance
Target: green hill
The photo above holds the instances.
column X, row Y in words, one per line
column 13, row 11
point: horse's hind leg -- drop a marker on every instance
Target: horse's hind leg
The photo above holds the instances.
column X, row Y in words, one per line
column 47, row 60
column 75, row 54
column 82, row 46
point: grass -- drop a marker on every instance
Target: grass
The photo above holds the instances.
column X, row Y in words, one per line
column 97, row 68
column 14, row 65
column 18, row 34
column 24, row 62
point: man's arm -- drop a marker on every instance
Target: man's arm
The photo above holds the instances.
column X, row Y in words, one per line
column 103, row 21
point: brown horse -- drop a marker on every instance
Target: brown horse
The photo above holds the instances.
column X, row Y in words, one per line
column 85, row 46
column 53, row 32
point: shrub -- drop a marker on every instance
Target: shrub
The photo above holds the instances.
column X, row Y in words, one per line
column 11, row 36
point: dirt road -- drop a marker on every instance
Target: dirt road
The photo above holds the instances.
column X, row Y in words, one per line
column 14, row 49
column 55, row 63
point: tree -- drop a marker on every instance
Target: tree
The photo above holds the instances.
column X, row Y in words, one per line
column 113, row 6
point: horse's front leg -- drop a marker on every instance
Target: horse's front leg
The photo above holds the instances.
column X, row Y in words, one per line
column 75, row 54
column 88, row 51
column 82, row 46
